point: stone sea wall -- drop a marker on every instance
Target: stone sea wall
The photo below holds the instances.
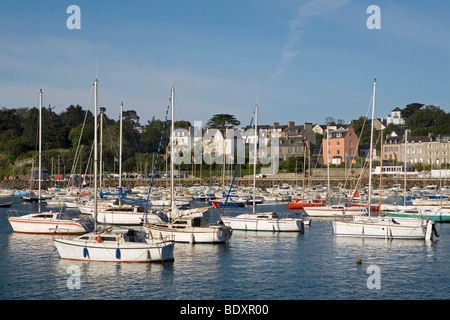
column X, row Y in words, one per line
column 338, row 177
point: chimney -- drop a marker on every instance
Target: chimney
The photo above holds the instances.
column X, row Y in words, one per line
column 291, row 124
column 276, row 124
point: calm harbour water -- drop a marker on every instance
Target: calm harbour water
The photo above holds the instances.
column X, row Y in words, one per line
column 314, row 265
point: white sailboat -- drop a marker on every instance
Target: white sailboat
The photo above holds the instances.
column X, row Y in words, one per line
column 187, row 226
column 113, row 244
column 264, row 221
column 44, row 222
column 383, row 227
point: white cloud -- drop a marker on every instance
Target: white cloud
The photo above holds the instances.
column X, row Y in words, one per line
column 66, row 68
column 303, row 16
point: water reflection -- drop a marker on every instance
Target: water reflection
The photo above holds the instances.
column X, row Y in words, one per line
column 254, row 265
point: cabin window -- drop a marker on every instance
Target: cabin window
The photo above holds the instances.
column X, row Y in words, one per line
column 44, row 216
column 197, row 222
column 109, row 238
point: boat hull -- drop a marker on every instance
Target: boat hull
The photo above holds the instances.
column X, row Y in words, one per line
column 251, row 222
column 26, row 224
column 434, row 215
column 113, row 252
column 126, row 218
column 228, row 203
column 301, row 205
column 327, row 211
column 211, row 234
column 384, row 227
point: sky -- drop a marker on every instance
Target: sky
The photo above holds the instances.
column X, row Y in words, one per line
column 301, row 61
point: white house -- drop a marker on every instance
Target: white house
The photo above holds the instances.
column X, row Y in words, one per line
column 395, row 117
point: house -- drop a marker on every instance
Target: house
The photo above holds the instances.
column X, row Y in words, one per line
column 431, row 149
column 392, row 146
column 342, row 145
column 294, row 140
column 395, row 117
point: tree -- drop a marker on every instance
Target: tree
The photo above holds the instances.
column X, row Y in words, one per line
column 222, row 121
column 364, row 126
column 182, row 124
column 431, row 119
column 329, row 120
column 152, row 135
column 130, row 117
column 391, row 127
column 410, row 109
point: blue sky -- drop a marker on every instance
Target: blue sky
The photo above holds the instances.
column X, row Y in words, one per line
column 299, row 60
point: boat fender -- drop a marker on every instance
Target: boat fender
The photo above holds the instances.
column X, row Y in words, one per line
column 85, row 252
column 118, row 253
column 98, row 239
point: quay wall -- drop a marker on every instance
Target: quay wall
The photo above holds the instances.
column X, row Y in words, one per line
column 338, row 177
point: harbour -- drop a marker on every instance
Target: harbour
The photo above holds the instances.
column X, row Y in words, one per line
column 267, row 188
column 309, row 265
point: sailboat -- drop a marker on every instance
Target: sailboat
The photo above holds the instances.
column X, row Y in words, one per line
column 187, row 226
column 113, row 244
column 119, row 213
column 381, row 226
column 45, row 222
column 438, row 213
column 263, row 221
column 333, row 210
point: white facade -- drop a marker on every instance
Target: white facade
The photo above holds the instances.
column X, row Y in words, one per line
column 395, row 117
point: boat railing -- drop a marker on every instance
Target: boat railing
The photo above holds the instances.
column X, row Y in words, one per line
column 12, row 213
column 61, row 232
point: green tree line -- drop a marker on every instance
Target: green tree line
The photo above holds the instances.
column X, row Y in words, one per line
column 420, row 119
column 72, row 129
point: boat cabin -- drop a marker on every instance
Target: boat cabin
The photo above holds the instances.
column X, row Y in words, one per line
column 182, row 223
column 268, row 215
column 115, row 236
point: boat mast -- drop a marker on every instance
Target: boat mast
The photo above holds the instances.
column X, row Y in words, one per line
column 102, row 111
column 381, row 175
column 404, row 173
column 172, row 129
column 40, row 147
column 255, row 159
column 328, row 165
column 95, row 150
column 371, row 147
column 120, row 152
